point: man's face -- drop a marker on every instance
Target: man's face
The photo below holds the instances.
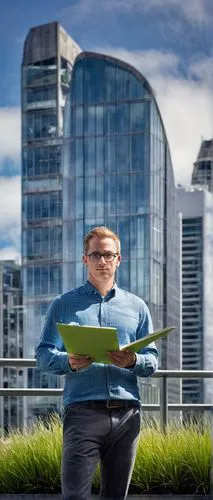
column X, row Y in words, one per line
column 101, row 270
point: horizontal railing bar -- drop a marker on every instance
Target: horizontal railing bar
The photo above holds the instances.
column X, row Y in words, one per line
column 184, row 373
column 18, row 362
column 59, row 392
column 30, row 392
column 31, row 363
column 188, row 406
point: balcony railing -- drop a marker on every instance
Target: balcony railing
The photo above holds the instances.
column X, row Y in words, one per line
column 164, row 407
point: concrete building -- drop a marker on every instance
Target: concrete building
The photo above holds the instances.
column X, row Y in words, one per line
column 49, row 54
column 203, row 167
column 11, row 342
column 196, row 205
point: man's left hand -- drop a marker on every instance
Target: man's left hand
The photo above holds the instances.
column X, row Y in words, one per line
column 123, row 359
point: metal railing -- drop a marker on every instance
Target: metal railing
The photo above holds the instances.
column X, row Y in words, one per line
column 163, row 407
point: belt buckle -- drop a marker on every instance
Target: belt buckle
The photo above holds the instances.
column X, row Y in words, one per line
column 113, row 404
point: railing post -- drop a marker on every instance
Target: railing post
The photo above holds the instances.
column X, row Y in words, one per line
column 211, row 472
column 163, row 403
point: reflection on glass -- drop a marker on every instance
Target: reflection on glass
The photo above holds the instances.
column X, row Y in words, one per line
column 41, row 73
column 111, row 119
column 99, row 143
column 122, row 199
column 41, row 124
column 123, row 153
column 40, row 94
column 122, row 111
column 110, row 154
column 79, row 157
column 90, row 197
column 43, row 205
column 137, row 117
column 89, row 156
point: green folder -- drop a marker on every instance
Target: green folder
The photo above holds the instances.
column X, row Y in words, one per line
column 95, row 341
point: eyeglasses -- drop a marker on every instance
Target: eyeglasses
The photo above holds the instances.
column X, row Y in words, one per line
column 96, row 256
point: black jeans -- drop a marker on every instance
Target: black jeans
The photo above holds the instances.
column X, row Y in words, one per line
column 92, row 435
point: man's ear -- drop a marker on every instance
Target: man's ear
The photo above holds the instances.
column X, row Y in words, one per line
column 118, row 261
column 84, row 259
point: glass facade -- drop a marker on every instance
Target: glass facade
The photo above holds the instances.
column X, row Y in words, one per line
column 11, row 342
column 203, row 167
column 196, row 205
column 118, row 173
column 48, row 57
column 192, row 269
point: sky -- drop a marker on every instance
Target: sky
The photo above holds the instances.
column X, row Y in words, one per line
column 169, row 41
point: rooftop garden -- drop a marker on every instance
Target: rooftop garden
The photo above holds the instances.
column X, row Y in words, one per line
column 177, row 461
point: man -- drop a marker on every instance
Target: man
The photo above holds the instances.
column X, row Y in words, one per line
column 102, row 407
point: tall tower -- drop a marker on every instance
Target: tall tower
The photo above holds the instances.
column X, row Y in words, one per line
column 49, row 54
column 203, row 167
column 118, row 173
column 11, row 342
column 196, row 205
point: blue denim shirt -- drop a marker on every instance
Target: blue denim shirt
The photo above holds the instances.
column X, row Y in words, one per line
column 85, row 306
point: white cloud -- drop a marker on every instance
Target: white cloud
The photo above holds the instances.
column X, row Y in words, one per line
column 10, row 253
column 10, row 135
column 193, row 11
column 202, row 70
column 185, row 104
column 10, row 210
column 186, row 109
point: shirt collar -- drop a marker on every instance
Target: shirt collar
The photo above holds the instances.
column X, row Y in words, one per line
column 91, row 289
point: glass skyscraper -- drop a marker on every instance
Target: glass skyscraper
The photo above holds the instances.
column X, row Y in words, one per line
column 118, row 173
column 196, row 205
column 49, row 53
column 203, row 167
column 11, row 342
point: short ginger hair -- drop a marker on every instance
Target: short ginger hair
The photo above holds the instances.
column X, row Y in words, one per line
column 101, row 232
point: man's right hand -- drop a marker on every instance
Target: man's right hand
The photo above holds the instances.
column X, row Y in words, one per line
column 78, row 361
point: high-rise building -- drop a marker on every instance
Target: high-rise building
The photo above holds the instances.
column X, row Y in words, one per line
column 118, row 173
column 196, row 206
column 11, row 342
column 49, row 54
column 203, row 167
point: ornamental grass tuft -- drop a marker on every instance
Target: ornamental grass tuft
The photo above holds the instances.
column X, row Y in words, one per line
column 30, row 460
column 177, row 461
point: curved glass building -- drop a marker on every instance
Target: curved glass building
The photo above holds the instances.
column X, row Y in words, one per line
column 118, row 173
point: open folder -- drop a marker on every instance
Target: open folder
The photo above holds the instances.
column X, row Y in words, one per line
column 95, row 341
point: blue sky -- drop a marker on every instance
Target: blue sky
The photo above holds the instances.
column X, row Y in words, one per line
column 169, row 41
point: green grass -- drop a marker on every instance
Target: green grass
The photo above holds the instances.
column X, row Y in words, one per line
column 30, row 461
column 178, row 461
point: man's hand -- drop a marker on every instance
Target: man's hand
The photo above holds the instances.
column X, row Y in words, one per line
column 123, row 359
column 78, row 361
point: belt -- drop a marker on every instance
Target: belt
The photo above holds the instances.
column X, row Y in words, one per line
column 107, row 404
